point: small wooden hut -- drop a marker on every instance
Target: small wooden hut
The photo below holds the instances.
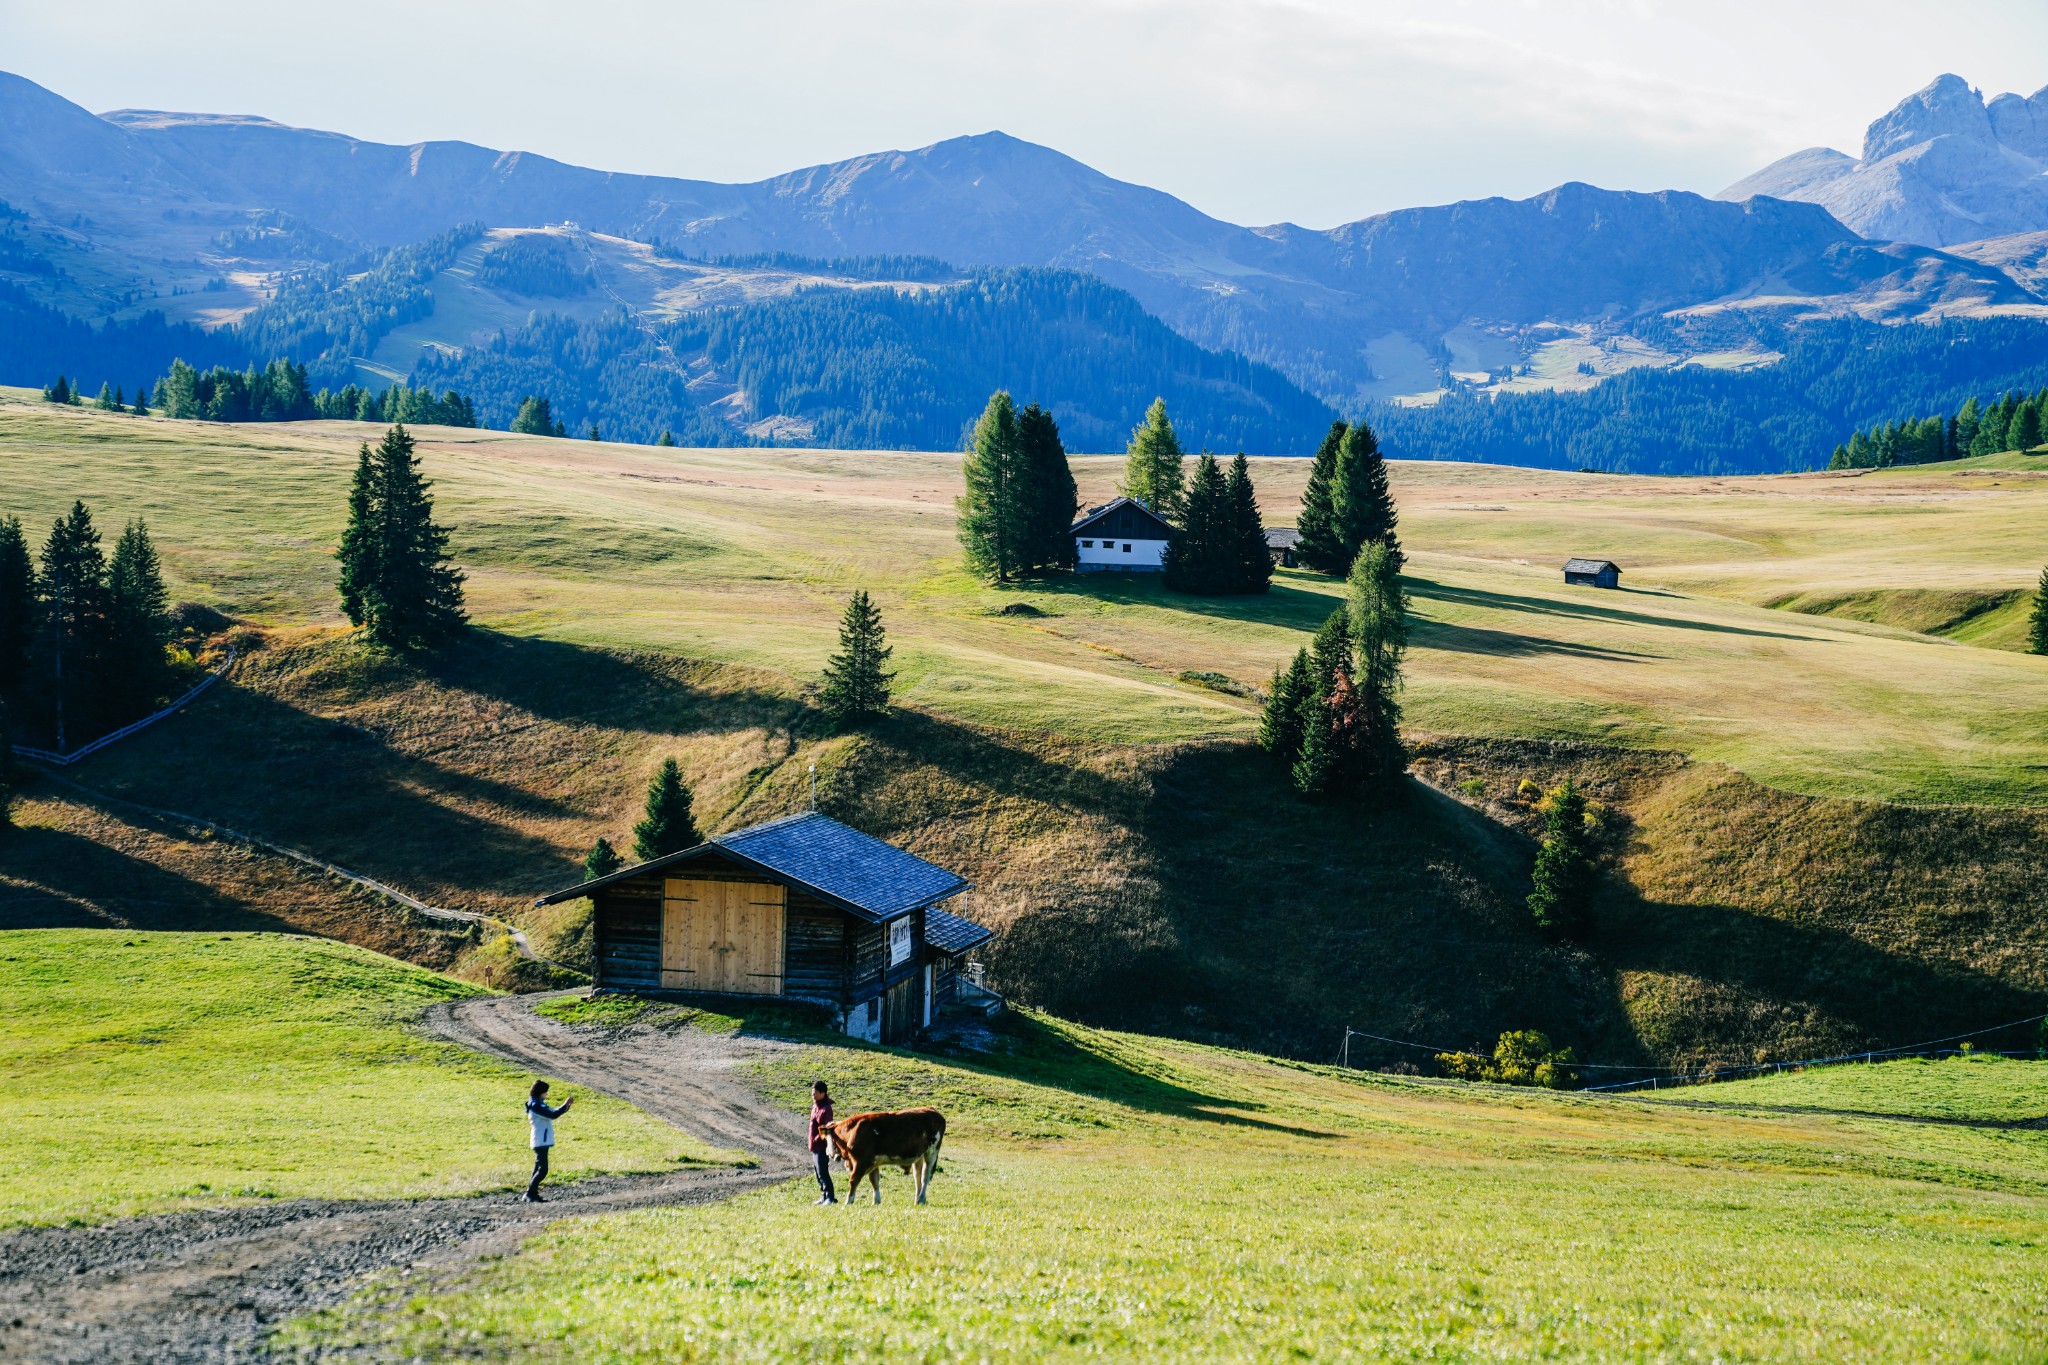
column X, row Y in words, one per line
column 804, row 908
column 1593, row 573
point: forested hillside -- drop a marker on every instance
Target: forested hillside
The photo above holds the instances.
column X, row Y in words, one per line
column 1835, row 378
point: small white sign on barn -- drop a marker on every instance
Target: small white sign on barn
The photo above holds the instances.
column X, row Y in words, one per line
column 899, row 941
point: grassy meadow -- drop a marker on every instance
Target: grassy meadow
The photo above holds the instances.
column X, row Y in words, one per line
column 1897, row 681
column 153, row 1071
column 1105, row 1196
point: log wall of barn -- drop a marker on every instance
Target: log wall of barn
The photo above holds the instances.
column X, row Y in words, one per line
column 627, row 952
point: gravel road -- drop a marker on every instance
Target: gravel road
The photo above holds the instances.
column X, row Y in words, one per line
column 208, row 1286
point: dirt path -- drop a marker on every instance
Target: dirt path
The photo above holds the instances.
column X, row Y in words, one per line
column 209, row 1286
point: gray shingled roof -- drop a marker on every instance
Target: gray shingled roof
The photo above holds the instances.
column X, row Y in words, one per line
column 948, row 933
column 1590, row 565
column 855, row 871
column 1281, row 537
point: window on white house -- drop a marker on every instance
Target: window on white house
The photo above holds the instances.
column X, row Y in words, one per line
column 1127, row 549
column 1087, row 544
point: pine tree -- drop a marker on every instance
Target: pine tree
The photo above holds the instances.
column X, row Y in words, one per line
column 138, row 621
column 1561, row 897
column 359, row 541
column 1254, row 559
column 994, row 520
column 856, row 678
column 1319, row 547
column 1201, row 550
column 1049, row 494
column 2037, row 628
column 1377, row 610
column 602, row 860
column 1152, row 464
column 1362, row 504
column 17, row 604
column 668, row 826
column 398, row 577
column 1281, row 724
column 667, row 438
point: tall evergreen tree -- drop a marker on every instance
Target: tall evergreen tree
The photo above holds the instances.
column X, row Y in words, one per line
column 141, row 408
column 1253, row 569
column 995, row 519
column 59, row 392
column 667, row 438
column 668, row 826
column 602, row 860
column 1319, row 547
column 359, row 541
column 1050, row 497
column 1561, row 896
column 17, row 604
column 73, row 591
column 407, row 591
column 138, row 621
column 1281, row 724
column 2025, row 432
column 1152, row 464
column 857, row 678
column 535, row 418
column 105, row 401
column 1330, row 651
column 1201, row 548
column 2037, row 628
column 1362, row 503
column 1377, row 609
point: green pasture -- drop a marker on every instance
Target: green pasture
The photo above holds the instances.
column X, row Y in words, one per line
column 1883, row 683
column 1109, row 1197
column 154, row 1071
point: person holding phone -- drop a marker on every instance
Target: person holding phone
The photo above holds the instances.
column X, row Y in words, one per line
column 542, row 1119
column 821, row 1149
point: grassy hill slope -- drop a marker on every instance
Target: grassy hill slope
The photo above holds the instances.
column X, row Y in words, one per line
column 154, row 1071
column 1106, row 1196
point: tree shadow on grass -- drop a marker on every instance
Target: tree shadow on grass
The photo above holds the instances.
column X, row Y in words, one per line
column 1429, row 590
column 59, row 880
column 1505, row 644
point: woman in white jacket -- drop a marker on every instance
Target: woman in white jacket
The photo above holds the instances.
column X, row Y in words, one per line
column 542, row 1120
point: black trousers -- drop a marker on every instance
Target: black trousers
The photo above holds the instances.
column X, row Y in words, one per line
column 540, row 1172
column 824, row 1163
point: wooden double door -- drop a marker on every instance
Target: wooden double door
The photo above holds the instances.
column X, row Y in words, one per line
column 722, row 936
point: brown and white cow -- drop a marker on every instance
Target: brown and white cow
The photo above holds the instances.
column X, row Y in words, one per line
column 907, row 1139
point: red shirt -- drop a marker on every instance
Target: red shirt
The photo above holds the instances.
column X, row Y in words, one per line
column 821, row 1114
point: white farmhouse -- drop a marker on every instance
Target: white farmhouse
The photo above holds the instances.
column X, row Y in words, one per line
column 1124, row 535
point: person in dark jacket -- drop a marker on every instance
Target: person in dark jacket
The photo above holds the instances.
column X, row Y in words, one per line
column 821, row 1149
column 542, row 1120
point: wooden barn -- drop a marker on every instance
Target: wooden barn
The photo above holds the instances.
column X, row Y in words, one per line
column 802, row 907
column 1121, row 536
column 1283, row 543
column 1594, row 573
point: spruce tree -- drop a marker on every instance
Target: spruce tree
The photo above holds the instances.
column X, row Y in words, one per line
column 1281, row 724
column 17, row 604
column 359, row 541
column 1254, row 559
column 1327, row 712
column 667, row 438
column 1561, row 897
column 59, row 392
column 138, row 621
column 141, row 408
column 1152, row 464
column 105, row 399
column 1362, row 504
column 412, row 598
column 1330, row 651
column 602, row 860
column 534, row 418
column 668, row 826
column 1201, row 550
column 1377, row 611
column 856, row 678
column 994, row 517
column 595, row 434
column 1319, row 547
column 72, row 586
column 1049, row 493
column 2037, row 628
column 2025, row 432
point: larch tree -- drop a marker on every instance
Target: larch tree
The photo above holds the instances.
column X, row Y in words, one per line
column 1362, row 503
column 994, row 510
column 668, row 824
column 1049, row 493
column 1376, row 606
column 1253, row 558
column 1561, row 894
column 1318, row 546
column 857, row 678
column 1152, row 464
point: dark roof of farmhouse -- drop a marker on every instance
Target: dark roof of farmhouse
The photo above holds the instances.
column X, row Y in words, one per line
column 837, row 863
column 949, row 933
column 1095, row 514
column 1590, row 565
column 1282, row 537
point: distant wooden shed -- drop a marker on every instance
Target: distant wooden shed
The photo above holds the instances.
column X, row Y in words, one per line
column 803, row 907
column 1281, row 543
column 1594, row 573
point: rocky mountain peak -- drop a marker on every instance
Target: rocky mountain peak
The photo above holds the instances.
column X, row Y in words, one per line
column 1947, row 107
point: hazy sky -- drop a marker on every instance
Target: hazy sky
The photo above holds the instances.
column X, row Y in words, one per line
column 1315, row 111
